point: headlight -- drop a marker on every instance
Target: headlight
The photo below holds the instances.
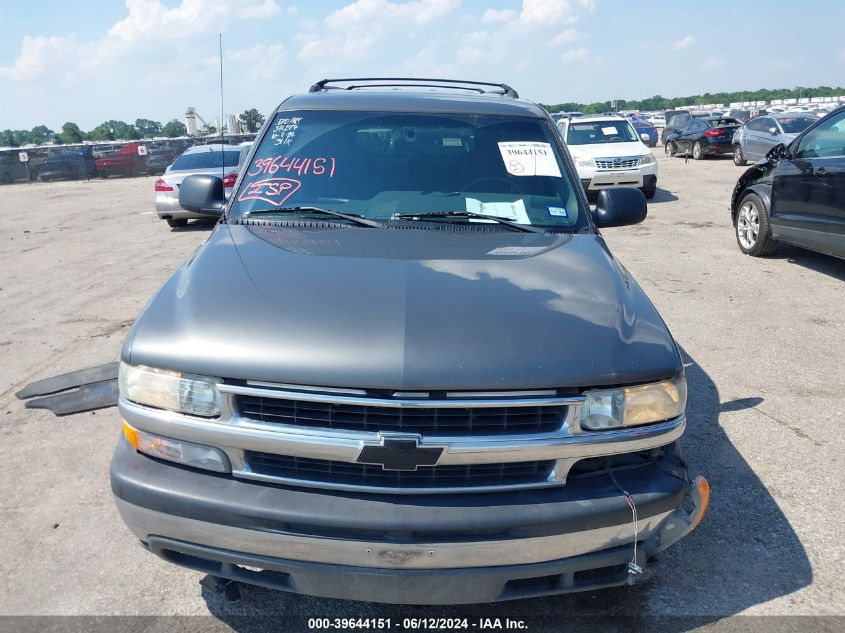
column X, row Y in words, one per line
column 172, row 390
column 647, row 159
column 632, row 406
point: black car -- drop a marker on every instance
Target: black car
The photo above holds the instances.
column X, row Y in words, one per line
column 702, row 137
column 159, row 159
column 405, row 366
column 65, row 166
column 676, row 119
column 796, row 194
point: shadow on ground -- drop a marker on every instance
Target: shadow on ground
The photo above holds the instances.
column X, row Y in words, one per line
column 818, row 262
column 195, row 225
column 663, row 195
column 744, row 553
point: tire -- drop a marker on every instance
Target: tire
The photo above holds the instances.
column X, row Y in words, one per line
column 671, row 149
column 177, row 223
column 697, row 151
column 649, row 192
column 751, row 227
column 739, row 158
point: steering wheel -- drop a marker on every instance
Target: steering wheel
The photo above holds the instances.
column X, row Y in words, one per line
column 511, row 185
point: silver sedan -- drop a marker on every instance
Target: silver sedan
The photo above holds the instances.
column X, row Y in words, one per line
column 219, row 160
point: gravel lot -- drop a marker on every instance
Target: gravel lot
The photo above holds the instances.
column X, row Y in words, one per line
column 762, row 338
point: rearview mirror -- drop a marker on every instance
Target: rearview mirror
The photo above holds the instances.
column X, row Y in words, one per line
column 645, row 137
column 619, row 207
column 202, row 194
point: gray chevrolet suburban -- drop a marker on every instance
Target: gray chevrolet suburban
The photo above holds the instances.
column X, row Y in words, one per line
column 405, row 366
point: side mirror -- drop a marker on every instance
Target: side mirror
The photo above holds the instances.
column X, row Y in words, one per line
column 645, row 137
column 620, row 207
column 202, row 194
column 778, row 152
column 773, row 131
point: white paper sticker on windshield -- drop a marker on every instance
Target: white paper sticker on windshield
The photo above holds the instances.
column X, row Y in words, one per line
column 513, row 211
column 452, row 142
column 610, row 131
column 529, row 159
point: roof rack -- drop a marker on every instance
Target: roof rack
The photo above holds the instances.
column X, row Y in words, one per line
column 415, row 82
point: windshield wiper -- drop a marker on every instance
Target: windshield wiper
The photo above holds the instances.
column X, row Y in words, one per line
column 468, row 214
column 355, row 218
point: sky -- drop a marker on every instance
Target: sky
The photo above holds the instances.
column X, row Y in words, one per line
column 93, row 60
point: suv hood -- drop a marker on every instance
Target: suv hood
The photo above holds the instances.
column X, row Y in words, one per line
column 609, row 150
column 405, row 309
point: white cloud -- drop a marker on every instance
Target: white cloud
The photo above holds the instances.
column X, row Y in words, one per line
column 260, row 61
column 683, row 43
column 37, row 56
column 351, row 32
column 375, row 11
column 575, row 54
column 714, row 63
column 548, row 12
column 503, row 15
column 153, row 19
column 567, row 36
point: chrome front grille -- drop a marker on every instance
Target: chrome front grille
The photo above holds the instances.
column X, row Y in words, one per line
column 425, row 420
column 618, row 162
column 425, row 477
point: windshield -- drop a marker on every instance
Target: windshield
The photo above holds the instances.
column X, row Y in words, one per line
column 207, row 160
column 380, row 165
column 796, row 125
column 600, row 132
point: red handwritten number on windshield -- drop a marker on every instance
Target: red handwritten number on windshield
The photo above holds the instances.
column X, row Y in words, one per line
column 516, row 167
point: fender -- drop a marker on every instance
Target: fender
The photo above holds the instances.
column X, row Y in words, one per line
column 762, row 186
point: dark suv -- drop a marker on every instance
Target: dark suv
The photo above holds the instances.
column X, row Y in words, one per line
column 796, row 194
column 405, row 367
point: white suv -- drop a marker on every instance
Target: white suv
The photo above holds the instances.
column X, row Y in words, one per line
column 608, row 153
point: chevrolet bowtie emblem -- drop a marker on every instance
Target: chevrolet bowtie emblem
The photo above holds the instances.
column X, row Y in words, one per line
column 398, row 452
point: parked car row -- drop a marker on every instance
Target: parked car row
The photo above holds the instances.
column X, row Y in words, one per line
column 87, row 162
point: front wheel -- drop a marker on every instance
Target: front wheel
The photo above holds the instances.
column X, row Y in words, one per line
column 697, row 151
column 739, row 159
column 753, row 233
column 671, row 149
column 175, row 223
column 650, row 191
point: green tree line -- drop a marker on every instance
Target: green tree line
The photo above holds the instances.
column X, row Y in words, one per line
column 111, row 131
column 658, row 102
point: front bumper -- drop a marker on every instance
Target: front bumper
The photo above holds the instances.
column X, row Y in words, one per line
column 597, row 179
column 420, row 549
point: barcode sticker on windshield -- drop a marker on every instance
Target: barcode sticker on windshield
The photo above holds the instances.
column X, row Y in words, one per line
column 529, row 159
